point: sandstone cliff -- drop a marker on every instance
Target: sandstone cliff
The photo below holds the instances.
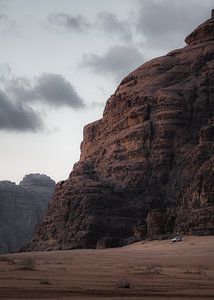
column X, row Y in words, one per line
column 21, row 208
column 146, row 167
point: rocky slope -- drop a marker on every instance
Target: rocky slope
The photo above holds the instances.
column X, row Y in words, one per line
column 21, row 208
column 146, row 167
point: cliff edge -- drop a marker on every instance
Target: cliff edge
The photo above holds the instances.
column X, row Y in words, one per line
column 146, row 167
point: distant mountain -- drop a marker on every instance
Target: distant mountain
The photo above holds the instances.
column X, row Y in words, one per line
column 21, row 208
column 146, row 167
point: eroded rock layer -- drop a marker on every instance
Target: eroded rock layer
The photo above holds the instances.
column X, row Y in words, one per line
column 146, row 167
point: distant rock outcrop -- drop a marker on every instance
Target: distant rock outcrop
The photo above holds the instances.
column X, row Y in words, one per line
column 21, row 208
column 146, row 167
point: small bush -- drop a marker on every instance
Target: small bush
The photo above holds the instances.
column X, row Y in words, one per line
column 123, row 284
column 27, row 263
column 7, row 259
column 151, row 269
column 44, row 281
column 4, row 258
column 196, row 270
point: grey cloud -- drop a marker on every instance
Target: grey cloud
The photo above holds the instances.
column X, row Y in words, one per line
column 51, row 89
column 18, row 88
column 21, row 93
column 3, row 18
column 77, row 23
column 7, row 25
column 109, row 23
column 4, row 23
column 16, row 117
column 5, row 72
column 116, row 62
column 55, row 90
column 166, row 22
column 105, row 22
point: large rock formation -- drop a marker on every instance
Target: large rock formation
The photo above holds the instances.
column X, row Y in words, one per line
column 21, row 208
column 146, row 167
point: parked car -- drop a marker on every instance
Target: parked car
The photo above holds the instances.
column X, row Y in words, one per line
column 176, row 239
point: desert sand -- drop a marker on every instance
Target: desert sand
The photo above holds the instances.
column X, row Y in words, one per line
column 150, row 269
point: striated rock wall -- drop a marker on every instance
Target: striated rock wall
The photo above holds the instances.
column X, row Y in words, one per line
column 146, row 167
column 21, row 208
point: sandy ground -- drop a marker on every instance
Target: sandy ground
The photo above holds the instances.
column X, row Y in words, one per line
column 153, row 270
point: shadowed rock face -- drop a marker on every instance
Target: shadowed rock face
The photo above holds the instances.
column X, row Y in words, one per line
column 146, row 167
column 21, row 208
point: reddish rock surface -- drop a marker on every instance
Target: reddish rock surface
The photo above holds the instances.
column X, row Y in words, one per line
column 146, row 167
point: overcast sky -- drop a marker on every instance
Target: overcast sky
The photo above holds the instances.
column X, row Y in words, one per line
column 61, row 60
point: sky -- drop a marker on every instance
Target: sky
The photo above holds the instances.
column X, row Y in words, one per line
column 61, row 60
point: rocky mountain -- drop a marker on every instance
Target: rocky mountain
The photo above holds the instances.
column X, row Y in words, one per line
column 21, row 208
column 39, row 184
column 146, row 167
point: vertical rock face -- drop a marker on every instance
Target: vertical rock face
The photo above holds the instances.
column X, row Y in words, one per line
column 21, row 208
column 146, row 167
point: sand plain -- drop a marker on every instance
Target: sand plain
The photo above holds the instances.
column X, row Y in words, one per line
column 144, row 270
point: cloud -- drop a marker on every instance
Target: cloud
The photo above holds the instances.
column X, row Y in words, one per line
column 115, row 63
column 7, row 25
column 16, row 117
column 110, row 24
column 3, row 18
column 56, row 91
column 105, row 22
column 18, row 96
column 77, row 23
column 4, row 23
column 164, row 23
column 50, row 89
column 5, row 72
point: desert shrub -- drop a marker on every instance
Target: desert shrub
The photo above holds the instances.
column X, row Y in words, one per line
column 4, row 258
column 44, row 281
column 130, row 240
column 27, row 263
column 151, row 269
column 123, row 284
column 192, row 271
column 196, row 270
column 7, row 259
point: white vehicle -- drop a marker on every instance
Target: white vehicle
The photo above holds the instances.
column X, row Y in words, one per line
column 176, row 239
